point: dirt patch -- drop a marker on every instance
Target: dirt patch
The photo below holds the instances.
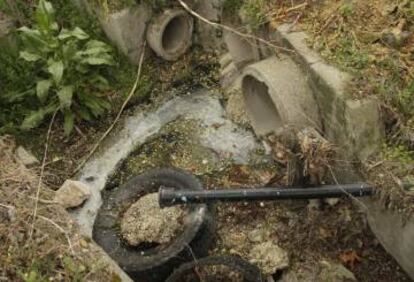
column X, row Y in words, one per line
column 145, row 221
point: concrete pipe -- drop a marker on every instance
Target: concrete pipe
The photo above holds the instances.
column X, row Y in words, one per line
column 276, row 94
column 170, row 34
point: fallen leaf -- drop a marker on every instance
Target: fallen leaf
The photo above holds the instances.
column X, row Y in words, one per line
column 349, row 258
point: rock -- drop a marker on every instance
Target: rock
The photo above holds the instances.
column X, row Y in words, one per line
column 323, row 272
column 314, row 204
column 256, row 235
column 334, row 272
column 145, row 221
column 332, row 201
column 26, row 157
column 269, row 257
column 72, row 194
column 235, row 108
column 365, row 127
column 235, row 240
column 126, row 29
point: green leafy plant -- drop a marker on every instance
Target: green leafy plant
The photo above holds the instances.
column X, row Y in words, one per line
column 406, row 100
column 69, row 77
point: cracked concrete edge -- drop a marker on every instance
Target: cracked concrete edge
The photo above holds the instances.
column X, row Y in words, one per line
column 342, row 123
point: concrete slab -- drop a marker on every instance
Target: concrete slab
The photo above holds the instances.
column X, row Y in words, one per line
column 126, row 29
column 364, row 126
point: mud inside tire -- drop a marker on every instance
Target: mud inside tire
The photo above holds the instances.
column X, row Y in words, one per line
column 153, row 264
column 187, row 272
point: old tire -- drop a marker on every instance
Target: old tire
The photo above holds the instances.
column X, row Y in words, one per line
column 153, row 264
column 187, row 272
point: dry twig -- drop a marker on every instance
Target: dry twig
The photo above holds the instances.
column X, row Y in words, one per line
column 42, row 169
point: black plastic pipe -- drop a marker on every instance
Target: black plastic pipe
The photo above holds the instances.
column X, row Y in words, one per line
column 171, row 196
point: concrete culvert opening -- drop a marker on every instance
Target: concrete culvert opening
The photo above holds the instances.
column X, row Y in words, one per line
column 170, row 34
column 265, row 117
column 175, row 35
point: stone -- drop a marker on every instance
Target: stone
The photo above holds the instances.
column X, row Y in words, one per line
column 126, row 29
column 234, row 239
column 230, row 78
column 225, row 60
column 324, row 271
column 236, row 109
column 331, row 201
column 334, row 272
column 26, row 157
column 145, row 221
column 331, row 77
column 256, row 235
column 298, row 42
column 269, row 257
column 364, row 127
column 72, row 194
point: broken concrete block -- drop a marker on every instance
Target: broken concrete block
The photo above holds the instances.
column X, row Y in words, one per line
column 364, row 127
column 26, row 157
column 126, row 29
column 331, row 77
column 72, row 194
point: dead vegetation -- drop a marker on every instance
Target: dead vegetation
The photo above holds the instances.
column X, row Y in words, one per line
column 54, row 251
